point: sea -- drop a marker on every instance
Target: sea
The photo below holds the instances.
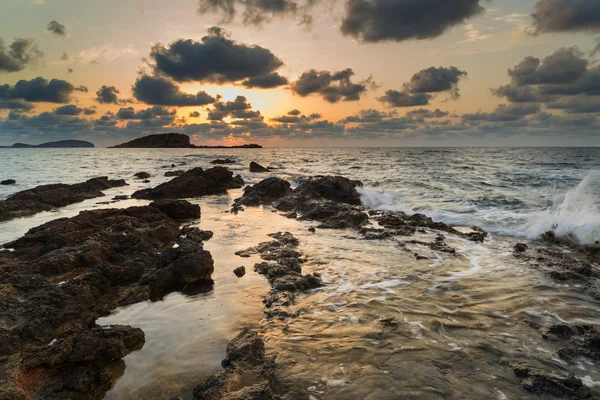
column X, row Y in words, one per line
column 464, row 319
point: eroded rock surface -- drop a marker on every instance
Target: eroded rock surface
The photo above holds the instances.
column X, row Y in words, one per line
column 264, row 192
column 47, row 197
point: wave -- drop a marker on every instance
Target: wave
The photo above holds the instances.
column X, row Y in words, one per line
column 574, row 214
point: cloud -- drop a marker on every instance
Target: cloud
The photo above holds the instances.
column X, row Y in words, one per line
column 57, row 28
column 163, row 113
column 332, row 86
column 255, row 11
column 435, row 80
column 69, row 109
column 108, row 95
column 236, row 109
column 19, row 105
column 368, row 116
column 295, row 116
column 588, row 84
column 504, row 113
column 576, row 104
column 267, row 81
column 566, row 65
column 395, row 98
column 40, row 90
column 517, row 94
column 385, row 20
column 103, row 54
column 160, row 91
column 21, row 53
column 194, row 114
column 424, row 113
column 64, row 57
column 566, row 16
column 217, row 59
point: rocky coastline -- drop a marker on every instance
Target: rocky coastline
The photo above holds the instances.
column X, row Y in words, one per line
column 60, row 277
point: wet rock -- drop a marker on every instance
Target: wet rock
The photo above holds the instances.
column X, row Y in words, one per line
column 120, row 197
column 255, row 167
column 240, row 271
column 555, row 385
column 264, row 192
column 8, row 182
column 178, row 209
column 223, row 161
column 580, row 340
column 236, row 183
column 333, row 188
column 248, row 374
column 193, row 183
column 196, row 234
column 142, row 175
column 47, row 197
column 178, row 172
column 61, row 276
column 520, row 247
column 312, row 229
column 146, row 181
column 591, row 251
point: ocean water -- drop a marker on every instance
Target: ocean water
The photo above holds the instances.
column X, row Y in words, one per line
column 520, row 192
column 464, row 319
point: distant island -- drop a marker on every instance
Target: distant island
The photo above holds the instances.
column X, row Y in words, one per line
column 50, row 145
column 173, row 140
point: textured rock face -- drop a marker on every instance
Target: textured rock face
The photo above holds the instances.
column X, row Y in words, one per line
column 256, row 167
column 178, row 209
column 63, row 275
column 266, row 191
column 193, row 183
column 334, row 188
column 47, row 197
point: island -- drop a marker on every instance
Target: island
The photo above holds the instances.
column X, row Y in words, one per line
column 52, row 145
column 173, row 140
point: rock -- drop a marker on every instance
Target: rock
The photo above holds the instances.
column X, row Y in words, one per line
column 312, row 229
column 146, row 181
column 266, row 191
column 333, row 188
column 236, row 183
column 178, row 209
column 178, row 172
column 8, row 182
column 223, row 161
column 142, row 175
column 520, row 247
column 162, row 140
column 569, row 387
column 193, row 183
column 255, row 167
column 49, row 344
column 47, row 197
column 196, row 234
column 240, row 271
column 120, row 197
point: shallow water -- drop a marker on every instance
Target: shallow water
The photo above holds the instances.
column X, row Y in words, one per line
column 463, row 319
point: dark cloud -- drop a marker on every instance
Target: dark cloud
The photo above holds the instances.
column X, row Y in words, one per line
column 217, row 59
column 89, row 111
column 107, row 95
column 267, row 81
column 517, row 94
column 395, row 98
column 160, row 91
column 295, row 117
column 566, row 65
column 386, row 20
column 435, row 80
column 332, row 86
column 69, row 109
column 70, row 71
column 504, row 113
column 40, row 90
column 195, row 114
column 588, row 84
column 255, row 11
column 566, row 16
column 21, row 53
column 130, row 113
column 57, row 28
column 294, row 112
column 236, row 109
column 576, row 104
column 424, row 113
column 368, row 116
column 19, row 105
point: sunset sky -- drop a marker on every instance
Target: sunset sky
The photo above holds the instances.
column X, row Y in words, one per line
column 302, row 73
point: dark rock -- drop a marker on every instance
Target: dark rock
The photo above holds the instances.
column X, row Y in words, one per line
column 193, row 183
column 162, row 140
column 196, row 234
column 120, row 197
column 520, row 247
column 266, row 191
column 47, row 197
column 334, row 188
column 178, row 172
column 178, row 209
column 236, row 183
column 223, row 161
column 240, row 271
column 255, row 167
column 312, row 229
column 146, row 181
column 8, row 182
column 554, row 385
column 142, row 175
column 49, row 344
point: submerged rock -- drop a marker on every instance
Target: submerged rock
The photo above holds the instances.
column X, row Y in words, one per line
column 193, row 183
column 47, row 197
column 142, row 175
column 8, row 182
column 255, row 167
column 61, row 276
column 223, row 161
column 240, row 271
column 178, row 209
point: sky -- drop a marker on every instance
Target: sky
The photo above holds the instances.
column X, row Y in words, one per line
column 302, row 73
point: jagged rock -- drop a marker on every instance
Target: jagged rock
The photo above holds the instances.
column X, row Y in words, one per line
column 47, row 197
column 520, row 247
column 196, row 234
column 334, row 188
column 177, row 209
column 255, row 167
column 240, row 271
column 266, row 191
column 142, row 175
column 542, row 383
column 193, row 183
column 236, row 183
column 178, row 172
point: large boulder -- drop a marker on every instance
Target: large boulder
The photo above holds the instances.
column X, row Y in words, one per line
column 47, row 197
column 178, row 209
column 265, row 191
column 193, row 183
column 334, row 188
column 256, row 167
